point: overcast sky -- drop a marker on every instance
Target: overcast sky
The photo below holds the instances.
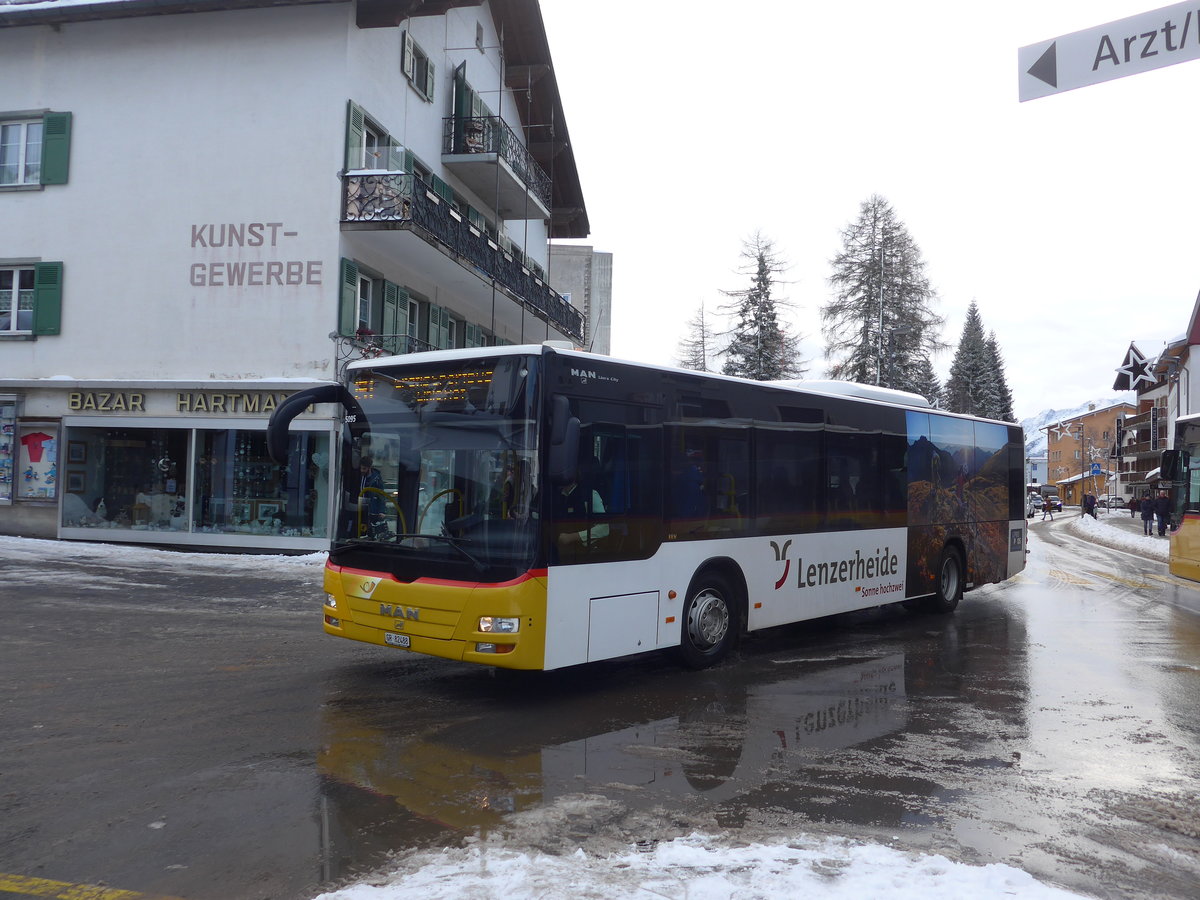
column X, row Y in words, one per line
column 1070, row 219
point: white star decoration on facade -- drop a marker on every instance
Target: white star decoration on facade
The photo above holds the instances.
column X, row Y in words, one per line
column 1062, row 430
column 1136, row 369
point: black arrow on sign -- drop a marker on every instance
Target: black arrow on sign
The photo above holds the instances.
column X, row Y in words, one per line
column 1046, row 68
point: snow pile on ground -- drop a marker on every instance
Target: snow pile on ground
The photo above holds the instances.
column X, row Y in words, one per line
column 698, row 868
column 14, row 548
column 1107, row 533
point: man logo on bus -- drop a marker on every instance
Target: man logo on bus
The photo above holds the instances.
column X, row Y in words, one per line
column 781, row 555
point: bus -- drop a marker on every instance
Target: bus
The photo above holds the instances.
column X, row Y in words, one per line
column 536, row 507
column 1176, row 468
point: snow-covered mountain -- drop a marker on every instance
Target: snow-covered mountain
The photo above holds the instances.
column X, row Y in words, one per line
column 1035, row 438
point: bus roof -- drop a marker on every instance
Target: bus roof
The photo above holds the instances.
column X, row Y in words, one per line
column 866, row 392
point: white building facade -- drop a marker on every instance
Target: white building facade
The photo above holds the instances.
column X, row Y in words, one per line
column 206, row 206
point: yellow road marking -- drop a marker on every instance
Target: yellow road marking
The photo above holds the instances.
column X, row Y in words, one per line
column 1128, row 582
column 25, row 886
column 1068, row 578
column 1176, row 581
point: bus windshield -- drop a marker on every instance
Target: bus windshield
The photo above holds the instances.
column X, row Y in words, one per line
column 439, row 468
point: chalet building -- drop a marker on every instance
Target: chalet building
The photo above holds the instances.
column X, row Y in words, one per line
column 1079, row 452
column 207, row 205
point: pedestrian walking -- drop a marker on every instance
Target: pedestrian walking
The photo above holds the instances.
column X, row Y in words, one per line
column 1133, row 507
column 1162, row 509
column 1047, row 510
column 1089, row 505
column 1147, row 507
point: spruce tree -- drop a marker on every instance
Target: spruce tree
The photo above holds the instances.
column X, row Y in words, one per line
column 1004, row 405
column 927, row 383
column 880, row 324
column 760, row 346
column 698, row 345
column 973, row 387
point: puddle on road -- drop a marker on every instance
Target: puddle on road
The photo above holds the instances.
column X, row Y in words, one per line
column 982, row 736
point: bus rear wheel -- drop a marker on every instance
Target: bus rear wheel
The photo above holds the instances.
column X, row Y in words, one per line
column 710, row 621
column 949, row 582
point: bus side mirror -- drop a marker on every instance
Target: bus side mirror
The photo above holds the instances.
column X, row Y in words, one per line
column 1174, row 464
column 563, row 465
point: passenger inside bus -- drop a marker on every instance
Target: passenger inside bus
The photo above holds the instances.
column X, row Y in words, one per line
column 575, row 505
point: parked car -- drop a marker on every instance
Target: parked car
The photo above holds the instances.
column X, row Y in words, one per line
column 1112, row 501
column 1034, row 504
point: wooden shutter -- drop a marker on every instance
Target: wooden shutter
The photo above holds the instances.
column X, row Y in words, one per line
column 472, row 335
column 348, row 308
column 439, row 327
column 356, row 126
column 443, row 190
column 395, row 318
column 47, row 298
column 56, row 147
column 408, row 59
column 430, row 80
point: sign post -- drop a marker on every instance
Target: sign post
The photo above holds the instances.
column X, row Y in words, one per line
column 1130, row 46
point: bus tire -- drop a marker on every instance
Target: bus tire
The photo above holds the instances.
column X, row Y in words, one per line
column 949, row 586
column 710, row 620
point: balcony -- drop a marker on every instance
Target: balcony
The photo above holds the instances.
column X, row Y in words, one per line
column 485, row 154
column 396, row 200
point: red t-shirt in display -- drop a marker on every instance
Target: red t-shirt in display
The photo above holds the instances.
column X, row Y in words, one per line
column 33, row 444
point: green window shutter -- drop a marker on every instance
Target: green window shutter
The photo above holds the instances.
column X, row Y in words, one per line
column 430, row 80
column 348, row 310
column 47, row 298
column 355, row 134
column 395, row 156
column 408, row 59
column 407, row 162
column 443, row 190
column 439, row 327
column 395, row 317
column 56, row 147
column 472, row 335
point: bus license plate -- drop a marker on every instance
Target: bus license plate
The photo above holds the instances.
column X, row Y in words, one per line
column 397, row 640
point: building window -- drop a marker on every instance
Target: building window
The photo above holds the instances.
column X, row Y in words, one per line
column 31, row 299
column 21, row 152
column 34, row 150
column 417, row 68
column 364, row 303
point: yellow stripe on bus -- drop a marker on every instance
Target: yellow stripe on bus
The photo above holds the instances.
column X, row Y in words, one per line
column 24, row 886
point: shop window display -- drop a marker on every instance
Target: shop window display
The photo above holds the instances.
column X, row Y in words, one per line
column 125, row 478
column 8, row 453
column 240, row 489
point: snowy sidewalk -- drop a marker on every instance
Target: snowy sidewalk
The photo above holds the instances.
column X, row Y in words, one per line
column 1117, row 530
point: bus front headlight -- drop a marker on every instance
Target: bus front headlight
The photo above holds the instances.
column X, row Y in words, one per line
column 499, row 625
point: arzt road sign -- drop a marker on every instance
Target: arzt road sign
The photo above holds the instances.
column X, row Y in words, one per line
column 1126, row 47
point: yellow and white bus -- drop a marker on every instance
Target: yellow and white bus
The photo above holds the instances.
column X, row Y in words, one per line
column 535, row 507
column 1177, row 468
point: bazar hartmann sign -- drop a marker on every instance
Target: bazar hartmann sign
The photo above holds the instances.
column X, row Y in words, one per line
column 260, row 402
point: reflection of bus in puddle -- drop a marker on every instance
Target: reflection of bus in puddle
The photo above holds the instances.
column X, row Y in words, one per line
column 723, row 744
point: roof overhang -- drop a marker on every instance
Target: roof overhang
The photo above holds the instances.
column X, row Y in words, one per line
column 42, row 12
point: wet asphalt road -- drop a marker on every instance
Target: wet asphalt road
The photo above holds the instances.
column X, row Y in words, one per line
column 194, row 734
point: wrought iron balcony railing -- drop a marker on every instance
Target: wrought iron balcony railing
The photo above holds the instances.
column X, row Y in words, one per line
column 397, row 197
column 491, row 134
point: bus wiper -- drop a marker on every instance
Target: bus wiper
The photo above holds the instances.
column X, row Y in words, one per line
column 456, row 543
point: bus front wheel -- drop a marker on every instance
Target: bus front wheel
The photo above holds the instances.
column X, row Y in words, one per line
column 710, row 621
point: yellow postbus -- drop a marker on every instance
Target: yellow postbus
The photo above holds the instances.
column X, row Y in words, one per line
column 536, row 507
column 1177, row 469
